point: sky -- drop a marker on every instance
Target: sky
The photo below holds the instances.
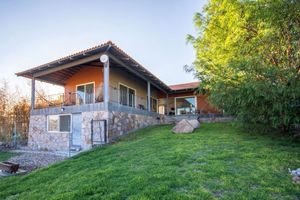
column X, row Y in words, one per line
column 153, row 32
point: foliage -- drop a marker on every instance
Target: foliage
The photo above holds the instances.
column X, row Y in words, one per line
column 248, row 59
column 218, row 161
column 14, row 113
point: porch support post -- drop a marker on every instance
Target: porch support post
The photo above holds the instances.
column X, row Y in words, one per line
column 148, row 96
column 32, row 93
column 105, row 61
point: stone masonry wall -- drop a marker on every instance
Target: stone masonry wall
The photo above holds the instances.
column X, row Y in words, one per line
column 40, row 139
column 86, row 133
column 120, row 123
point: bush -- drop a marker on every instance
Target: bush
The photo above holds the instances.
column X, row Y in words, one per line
column 248, row 59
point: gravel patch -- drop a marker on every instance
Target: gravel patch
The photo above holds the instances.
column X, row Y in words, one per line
column 5, row 146
column 32, row 161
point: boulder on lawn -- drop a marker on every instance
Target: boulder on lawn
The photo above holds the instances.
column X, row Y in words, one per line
column 184, row 126
column 296, row 175
column 195, row 123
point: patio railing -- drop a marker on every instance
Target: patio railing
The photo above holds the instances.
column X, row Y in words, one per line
column 71, row 99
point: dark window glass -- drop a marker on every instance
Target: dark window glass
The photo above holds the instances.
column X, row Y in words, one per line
column 154, row 104
column 89, row 93
column 123, row 95
column 65, row 123
column 131, row 97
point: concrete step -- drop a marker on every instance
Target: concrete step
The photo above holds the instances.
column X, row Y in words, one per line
column 75, row 148
column 98, row 144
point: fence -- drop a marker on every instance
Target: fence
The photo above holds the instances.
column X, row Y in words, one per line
column 13, row 133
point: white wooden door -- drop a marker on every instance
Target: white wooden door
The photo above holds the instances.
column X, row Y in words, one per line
column 76, row 129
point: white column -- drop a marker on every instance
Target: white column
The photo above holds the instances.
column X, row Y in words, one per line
column 105, row 60
column 148, row 96
column 32, row 93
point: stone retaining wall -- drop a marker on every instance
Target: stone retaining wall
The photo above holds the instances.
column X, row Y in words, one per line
column 202, row 119
column 120, row 123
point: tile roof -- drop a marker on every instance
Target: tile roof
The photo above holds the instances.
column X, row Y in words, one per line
column 185, row 86
column 114, row 50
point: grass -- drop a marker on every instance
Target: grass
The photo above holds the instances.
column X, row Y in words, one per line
column 218, row 161
column 4, row 155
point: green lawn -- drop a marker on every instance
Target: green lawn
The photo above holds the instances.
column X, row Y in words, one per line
column 5, row 155
column 217, row 161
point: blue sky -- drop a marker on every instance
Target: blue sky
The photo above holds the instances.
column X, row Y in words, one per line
column 153, row 32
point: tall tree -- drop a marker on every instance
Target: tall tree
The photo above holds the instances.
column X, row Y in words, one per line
column 248, row 59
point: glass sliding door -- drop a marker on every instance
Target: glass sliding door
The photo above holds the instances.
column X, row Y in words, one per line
column 80, row 95
column 185, row 105
column 89, row 93
column 85, row 93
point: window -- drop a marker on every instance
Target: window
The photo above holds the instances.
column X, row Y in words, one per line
column 53, row 123
column 85, row 94
column 123, row 94
column 131, row 97
column 153, row 104
column 126, row 96
column 59, row 123
column 185, row 105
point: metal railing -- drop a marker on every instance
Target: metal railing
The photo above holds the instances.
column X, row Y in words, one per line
column 126, row 98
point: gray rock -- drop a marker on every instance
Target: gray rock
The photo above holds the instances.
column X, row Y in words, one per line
column 195, row 123
column 183, row 127
column 296, row 175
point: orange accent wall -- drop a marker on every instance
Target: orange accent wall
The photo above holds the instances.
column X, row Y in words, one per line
column 85, row 75
column 204, row 105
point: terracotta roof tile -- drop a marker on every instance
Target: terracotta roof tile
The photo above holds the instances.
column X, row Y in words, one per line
column 29, row 73
column 184, row 86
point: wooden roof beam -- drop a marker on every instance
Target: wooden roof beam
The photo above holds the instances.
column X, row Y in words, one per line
column 68, row 65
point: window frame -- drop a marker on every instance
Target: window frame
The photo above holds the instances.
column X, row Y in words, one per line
column 59, row 123
column 119, row 95
column 175, row 106
column 84, row 84
column 151, row 104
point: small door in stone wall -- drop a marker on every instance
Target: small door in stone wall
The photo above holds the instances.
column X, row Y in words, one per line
column 76, row 129
column 98, row 131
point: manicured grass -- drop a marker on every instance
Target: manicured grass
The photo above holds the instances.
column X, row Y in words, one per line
column 217, row 161
column 5, row 155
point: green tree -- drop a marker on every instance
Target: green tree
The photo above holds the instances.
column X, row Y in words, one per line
column 248, row 59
